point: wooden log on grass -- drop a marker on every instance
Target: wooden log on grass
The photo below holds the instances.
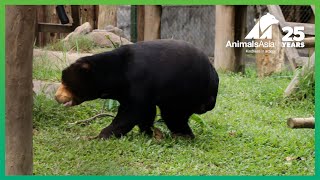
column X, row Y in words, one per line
column 301, row 123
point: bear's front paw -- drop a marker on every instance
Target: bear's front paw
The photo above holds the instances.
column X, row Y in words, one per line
column 105, row 134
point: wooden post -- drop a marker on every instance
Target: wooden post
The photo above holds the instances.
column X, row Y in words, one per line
column 75, row 16
column 107, row 16
column 224, row 56
column 20, row 35
column 152, row 22
column 301, row 122
column 309, row 42
column 87, row 14
column 41, row 38
column 239, row 34
column 51, row 17
column 140, row 23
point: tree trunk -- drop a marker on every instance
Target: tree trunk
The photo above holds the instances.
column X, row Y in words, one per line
column 152, row 22
column 107, row 16
column 224, row 56
column 271, row 59
column 20, row 35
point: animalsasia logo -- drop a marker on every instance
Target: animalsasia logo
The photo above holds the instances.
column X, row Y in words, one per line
column 261, row 35
column 263, row 27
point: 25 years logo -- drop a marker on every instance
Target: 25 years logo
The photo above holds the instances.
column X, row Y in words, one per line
column 293, row 36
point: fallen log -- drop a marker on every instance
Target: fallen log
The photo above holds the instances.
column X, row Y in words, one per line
column 301, row 123
column 309, row 42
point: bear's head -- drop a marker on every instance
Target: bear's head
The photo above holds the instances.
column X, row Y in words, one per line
column 77, row 84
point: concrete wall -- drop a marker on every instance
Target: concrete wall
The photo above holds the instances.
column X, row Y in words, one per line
column 194, row 24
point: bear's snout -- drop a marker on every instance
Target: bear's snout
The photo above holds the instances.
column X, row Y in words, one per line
column 63, row 95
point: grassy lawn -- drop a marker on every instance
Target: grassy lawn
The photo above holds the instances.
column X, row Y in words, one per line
column 246, row 134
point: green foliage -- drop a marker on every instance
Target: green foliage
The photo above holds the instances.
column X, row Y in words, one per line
column 114, row 44
column 199, row 120
column 111, row 105
column 44, row 69
column 306, row 86
column 246, row 134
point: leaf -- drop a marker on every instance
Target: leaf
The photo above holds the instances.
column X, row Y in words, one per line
column 110, row 104
column 198, row 120
column 113, row 44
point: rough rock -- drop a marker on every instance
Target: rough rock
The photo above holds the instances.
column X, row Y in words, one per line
column 85, row 28
column 102, row 40
column 114, row 30
column 43, row 87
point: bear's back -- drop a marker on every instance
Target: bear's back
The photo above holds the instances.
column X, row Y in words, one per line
column 172, row 69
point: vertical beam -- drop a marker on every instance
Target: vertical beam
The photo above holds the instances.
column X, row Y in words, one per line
column 41, row 17
column 224, row 56
column 140, row 23
column 133, row 26
column 107, row 16
column 239, row 34
column 19, row 100
column 75, row 16
column 152, row 22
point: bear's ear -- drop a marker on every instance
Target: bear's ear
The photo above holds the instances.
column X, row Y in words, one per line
column 85, row 66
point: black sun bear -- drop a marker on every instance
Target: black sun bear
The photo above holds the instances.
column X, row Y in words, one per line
column 170, row 74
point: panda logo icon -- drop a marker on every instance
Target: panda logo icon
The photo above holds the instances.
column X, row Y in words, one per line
column 263, row 28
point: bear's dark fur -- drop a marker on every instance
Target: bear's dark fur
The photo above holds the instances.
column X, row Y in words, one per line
column 173, row 75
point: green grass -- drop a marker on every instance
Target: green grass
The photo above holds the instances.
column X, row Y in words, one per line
column 80, row 44
column 46, row 70
column 246, row 134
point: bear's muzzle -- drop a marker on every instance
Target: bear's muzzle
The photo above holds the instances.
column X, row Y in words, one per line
column 64, row 96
